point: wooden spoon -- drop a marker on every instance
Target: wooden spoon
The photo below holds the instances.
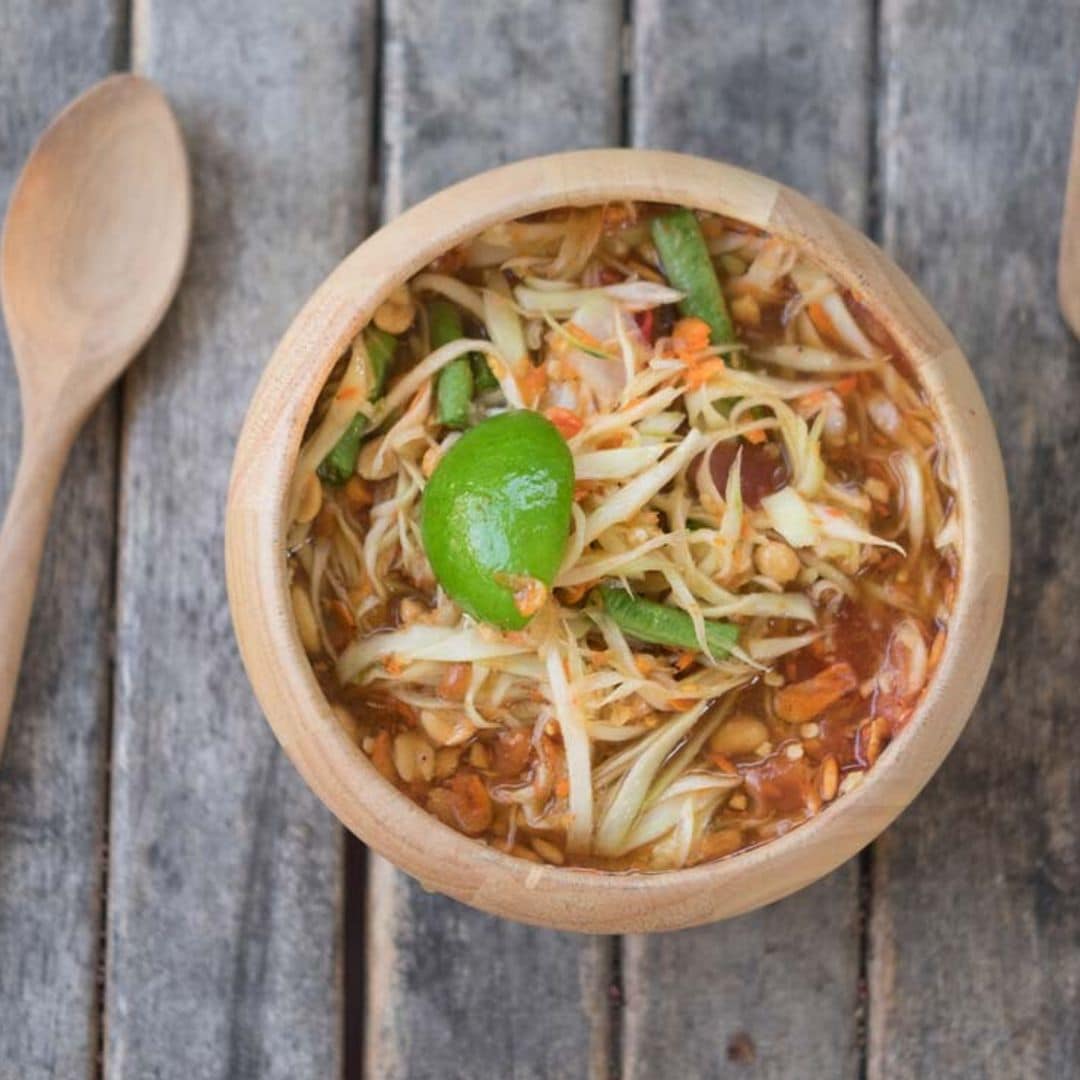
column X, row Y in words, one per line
column 1069, row 256
column 94, row 243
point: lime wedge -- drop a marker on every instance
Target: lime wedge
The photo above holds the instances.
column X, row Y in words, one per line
column 495, row 517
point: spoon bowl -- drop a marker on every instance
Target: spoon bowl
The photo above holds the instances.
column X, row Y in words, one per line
column 95, row 240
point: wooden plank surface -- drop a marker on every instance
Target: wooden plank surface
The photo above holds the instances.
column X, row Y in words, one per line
column 774, row 993
column 226, row 875
column 451, row 992
column 52, row 774
column 470, row 86
column 975, row 947
column 785, row 90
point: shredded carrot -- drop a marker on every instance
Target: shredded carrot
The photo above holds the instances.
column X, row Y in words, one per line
column 347, row 393
column 681, row 704
column 820, row 318
column 614, row 440
column 699, row 374
column 562, row 787
column 809, row 402
column 845, row 387
column 644, row 663
column 806, row 700
column 532, row 381
column 722, row 762
column 567, row 422
column 583, row 337
column 755, row 436
column 684, row 660
column 690, row 335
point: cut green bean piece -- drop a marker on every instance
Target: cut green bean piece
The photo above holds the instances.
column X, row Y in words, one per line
column 340, row 463
column 454, row 391
column 454, row 384
column 687, row 265
column 445, row 322
column 445, row 316
column 660, row 624
column 482, row 374
column 381, row 347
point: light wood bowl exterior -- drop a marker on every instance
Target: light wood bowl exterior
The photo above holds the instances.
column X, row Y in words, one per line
column 389, row 822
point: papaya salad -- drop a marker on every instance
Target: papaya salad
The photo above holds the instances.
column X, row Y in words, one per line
column 622, row 538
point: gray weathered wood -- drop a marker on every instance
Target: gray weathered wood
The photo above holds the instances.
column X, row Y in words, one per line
column 975, row 944
column 226, row 876
column 456, row 994
column 471, row 86
column 451, row 992
column 779, row 986
column 52, row 775
column 784, row 89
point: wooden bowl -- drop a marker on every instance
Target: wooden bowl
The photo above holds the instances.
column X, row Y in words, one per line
column 389, row 822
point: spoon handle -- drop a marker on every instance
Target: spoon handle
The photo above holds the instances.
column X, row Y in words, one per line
column 22, row 540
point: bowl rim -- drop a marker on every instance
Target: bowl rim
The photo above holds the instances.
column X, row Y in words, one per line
column 301, row 717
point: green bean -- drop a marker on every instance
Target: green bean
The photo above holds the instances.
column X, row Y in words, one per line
column 660, row 624
column 482, row 374
column 340, row 463
column 687, row 265
column 454, row 384
column 445, row 323
column 381, row 347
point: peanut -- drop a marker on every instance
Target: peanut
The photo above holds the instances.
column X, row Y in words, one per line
column 414, row 757
column 739, row 735
column 396, row 313
column 776, row 560
column 446, row 728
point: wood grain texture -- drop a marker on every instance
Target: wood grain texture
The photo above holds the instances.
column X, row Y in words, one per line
column 453, row 992
column 975, row 946
column 471, row 86
column 92, row 255
column 773, row 993
column 52, row 774
column 225, row 888
column 785, row 91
